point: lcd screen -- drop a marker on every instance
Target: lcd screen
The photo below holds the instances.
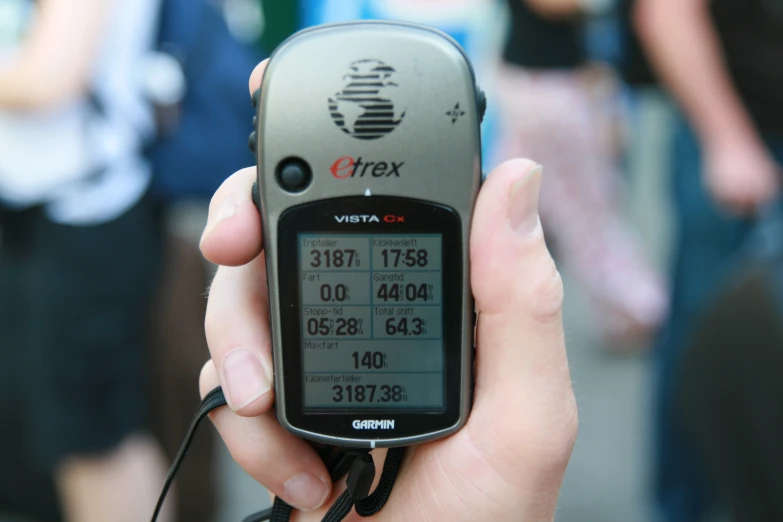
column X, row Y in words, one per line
column 371, row 316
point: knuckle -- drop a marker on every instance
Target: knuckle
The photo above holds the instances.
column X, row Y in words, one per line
column 215, row 316
column 569, row 429
column 207, row 378
column 545, row 293
column 211, row 325
column 541, row 436
column 244, row 455
column 556, row 435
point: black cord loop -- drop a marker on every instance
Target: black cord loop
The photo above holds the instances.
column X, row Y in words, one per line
column 211, row 401
column 357, row 463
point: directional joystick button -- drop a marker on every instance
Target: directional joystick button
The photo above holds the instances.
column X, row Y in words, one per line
column 294, row 174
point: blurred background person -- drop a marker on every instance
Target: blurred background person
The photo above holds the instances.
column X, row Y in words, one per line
column 197, row 80
column 729, row 391
column 561, row 110
column 723, row 62
column 80, row 248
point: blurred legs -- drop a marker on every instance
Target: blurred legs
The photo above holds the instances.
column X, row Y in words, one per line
column 556, row 117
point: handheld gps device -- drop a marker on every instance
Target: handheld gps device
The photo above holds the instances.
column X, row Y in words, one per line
column 368, row 147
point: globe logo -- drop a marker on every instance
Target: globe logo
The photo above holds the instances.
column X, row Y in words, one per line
column 365, row 108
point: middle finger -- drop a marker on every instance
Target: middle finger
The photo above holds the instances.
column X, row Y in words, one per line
column 282, row 462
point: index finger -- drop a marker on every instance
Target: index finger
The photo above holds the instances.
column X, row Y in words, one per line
column 232, row 236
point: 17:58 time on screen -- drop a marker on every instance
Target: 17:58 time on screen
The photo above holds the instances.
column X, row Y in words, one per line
column 348, row 258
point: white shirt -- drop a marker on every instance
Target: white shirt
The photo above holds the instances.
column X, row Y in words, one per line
column 110, row 143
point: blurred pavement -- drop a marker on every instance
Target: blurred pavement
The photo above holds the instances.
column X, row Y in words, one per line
column 608, row 477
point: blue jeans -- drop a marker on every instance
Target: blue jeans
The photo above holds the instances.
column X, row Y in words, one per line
column 706, row 239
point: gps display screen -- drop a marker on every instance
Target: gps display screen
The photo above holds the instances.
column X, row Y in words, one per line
column 371, row 317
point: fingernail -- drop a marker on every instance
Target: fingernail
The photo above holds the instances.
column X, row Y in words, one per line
column 246, row 380
column 523, row 210
column 306, row 492
column 228, row 208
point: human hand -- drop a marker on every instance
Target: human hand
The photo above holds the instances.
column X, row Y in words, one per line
column 740, row 174
column 507, row 463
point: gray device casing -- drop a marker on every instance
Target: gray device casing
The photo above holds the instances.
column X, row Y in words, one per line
column 437, row 138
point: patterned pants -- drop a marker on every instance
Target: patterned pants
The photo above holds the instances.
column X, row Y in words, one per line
column 559, row 120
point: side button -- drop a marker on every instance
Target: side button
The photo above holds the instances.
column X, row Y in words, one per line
column 481, row 103
column 251, row 142
column 256, row 98
column 256, row 195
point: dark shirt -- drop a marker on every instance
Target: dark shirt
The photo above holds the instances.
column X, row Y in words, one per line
column 536, row 42
column 751, row 34
column 634, row 65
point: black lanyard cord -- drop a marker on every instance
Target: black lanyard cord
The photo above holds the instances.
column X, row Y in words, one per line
column 211, row 401
column 357, row 463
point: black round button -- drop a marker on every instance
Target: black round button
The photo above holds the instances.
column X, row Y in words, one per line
column 294, row 174
column 251, row 141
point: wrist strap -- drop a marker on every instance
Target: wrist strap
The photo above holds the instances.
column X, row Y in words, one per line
column 357, row 463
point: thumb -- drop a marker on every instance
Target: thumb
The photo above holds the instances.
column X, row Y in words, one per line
column 523, row 397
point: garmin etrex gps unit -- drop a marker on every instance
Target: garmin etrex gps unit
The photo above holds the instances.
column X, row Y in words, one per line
column 368, row 146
